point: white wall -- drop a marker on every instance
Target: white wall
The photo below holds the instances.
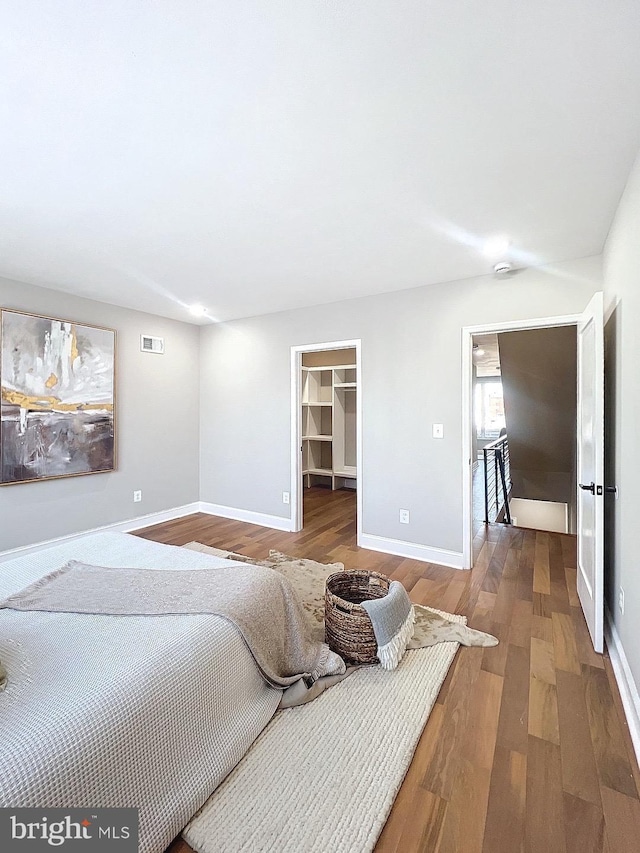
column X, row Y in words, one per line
column 157, row 427
column 622, row 464
column 411, row 377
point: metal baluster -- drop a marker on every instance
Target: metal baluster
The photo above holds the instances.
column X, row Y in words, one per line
column 507, row 512
column 501, row 467
column 486, row 486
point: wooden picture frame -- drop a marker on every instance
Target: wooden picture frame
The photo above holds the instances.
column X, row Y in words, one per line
column 57, row 398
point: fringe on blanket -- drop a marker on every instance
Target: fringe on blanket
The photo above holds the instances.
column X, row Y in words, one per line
column 391, row 654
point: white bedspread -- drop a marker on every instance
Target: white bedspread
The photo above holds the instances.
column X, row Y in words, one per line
column 150, row 712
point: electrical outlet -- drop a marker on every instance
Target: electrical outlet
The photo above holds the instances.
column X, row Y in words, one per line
column 137, row 496
column 621, row 600
column 438, row 431
column 285, row 498
column 404, row 516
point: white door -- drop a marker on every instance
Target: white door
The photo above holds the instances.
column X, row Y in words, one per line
column 591, row 467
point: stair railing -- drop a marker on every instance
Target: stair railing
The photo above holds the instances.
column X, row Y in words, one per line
column 497, row 481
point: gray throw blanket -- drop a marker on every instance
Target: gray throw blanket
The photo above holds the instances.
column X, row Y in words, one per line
column 258, row 601
column 392, row 618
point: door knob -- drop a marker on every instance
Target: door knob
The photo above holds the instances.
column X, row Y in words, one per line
column 590, row 488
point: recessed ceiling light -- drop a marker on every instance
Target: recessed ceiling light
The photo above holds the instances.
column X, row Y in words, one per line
column 198, row 310
column 496, row 247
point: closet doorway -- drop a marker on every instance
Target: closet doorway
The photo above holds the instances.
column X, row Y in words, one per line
column 326, row 428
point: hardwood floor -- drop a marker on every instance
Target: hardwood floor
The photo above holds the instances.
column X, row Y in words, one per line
column 526, row 748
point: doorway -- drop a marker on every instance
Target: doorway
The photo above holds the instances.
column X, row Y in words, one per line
column 488, row 428
column 326, row 429
column 590, row 451
column 525, row 428
column 492, row 396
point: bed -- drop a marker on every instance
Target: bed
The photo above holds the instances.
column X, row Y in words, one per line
column 103, row 711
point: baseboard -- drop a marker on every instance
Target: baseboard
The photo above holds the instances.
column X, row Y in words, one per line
column 259, row 518
column 396, row 547
column 399, row 548
column 626, row 684
column 117, row 527
column 156, row 518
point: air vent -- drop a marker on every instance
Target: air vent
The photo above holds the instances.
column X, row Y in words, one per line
column 151, row 344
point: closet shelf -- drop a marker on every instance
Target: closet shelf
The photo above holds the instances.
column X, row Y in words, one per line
column 329, row 424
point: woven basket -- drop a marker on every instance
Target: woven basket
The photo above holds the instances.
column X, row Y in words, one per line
column 348, row 629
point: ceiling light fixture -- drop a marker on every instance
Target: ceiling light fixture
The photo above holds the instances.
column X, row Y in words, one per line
column 198, row 310
column 502, row 268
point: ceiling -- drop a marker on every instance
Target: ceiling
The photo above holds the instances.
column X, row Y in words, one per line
column 258, row 156
column 486, row 355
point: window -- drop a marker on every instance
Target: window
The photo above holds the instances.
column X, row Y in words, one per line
column 489, row 409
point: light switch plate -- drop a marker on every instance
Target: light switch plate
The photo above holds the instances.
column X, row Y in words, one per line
column 438, row 430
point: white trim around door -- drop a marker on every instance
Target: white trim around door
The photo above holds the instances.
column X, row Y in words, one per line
column 296, row 429
column 467, row 410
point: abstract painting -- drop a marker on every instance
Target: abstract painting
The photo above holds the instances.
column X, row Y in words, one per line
column 57, row 398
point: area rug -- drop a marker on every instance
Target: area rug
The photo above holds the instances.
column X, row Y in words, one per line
column 308, row 579
column 323, row 776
